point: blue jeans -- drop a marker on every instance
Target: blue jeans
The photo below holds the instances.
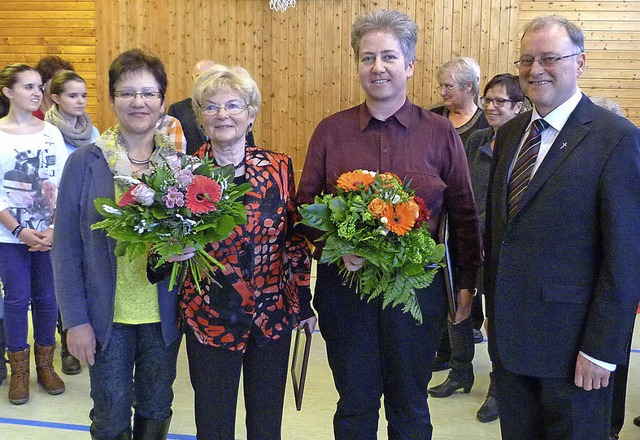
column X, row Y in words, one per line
column 135, row 369
column 27, row 278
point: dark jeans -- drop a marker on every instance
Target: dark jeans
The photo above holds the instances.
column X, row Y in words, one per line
column 27, row 278
column 215, row 377
column 533, row 408
column 135, row 369
column 374, row 351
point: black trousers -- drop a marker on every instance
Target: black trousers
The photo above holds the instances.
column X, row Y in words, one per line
column 374, row 351
column 215, row 377
column 533, row 408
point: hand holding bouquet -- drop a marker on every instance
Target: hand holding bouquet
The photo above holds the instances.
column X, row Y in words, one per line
column 376, row 216
column 178, row 203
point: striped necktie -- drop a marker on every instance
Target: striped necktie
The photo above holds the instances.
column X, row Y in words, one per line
column 521, row 174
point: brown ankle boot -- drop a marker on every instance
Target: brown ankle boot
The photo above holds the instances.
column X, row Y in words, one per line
column 47, row 377
column 19, row 385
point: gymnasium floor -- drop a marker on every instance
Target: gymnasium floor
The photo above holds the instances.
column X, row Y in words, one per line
column 65, row 417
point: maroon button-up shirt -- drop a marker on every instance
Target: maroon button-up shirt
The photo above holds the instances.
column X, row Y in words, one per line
column 415, row 144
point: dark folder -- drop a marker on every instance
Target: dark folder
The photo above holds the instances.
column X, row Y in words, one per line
column 449, row 270
column 301, row 350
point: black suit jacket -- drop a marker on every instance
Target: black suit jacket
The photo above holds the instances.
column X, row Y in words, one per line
column 183, row 110
column 563, row 275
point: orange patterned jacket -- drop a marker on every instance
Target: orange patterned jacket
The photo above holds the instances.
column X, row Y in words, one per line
column 265, row 284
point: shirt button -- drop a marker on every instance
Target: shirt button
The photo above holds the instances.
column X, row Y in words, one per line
column 385, row 151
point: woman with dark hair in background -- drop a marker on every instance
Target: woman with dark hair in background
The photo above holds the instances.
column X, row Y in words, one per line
column 503, row 99
column 48, row 66
column 119, row 323
column 32, row 154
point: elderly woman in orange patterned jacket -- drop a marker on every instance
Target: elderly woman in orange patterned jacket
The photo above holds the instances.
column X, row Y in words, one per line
column 243, row 319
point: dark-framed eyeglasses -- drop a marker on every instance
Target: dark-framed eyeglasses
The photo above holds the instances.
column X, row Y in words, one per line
column 548, row 61
column 232, row 108
column 497, row 102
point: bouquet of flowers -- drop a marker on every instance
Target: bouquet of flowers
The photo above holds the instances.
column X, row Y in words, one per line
column 378, row 217
column 178, row 202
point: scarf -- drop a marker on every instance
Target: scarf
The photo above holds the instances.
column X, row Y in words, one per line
column 112, row 146
column 76, row 136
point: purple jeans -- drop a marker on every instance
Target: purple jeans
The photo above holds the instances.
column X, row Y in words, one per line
column 27, row 278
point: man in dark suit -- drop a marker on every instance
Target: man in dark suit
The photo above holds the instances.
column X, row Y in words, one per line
column 562, row 248
column 183, row 111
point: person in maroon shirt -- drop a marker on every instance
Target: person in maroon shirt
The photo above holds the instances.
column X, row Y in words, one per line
column 374, row 351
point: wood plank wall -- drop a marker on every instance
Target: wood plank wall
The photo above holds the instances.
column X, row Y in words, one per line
column 301, row 59
column 31, row 29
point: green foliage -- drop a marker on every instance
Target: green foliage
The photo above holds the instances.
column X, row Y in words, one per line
column 396, row 264
column 167, row 229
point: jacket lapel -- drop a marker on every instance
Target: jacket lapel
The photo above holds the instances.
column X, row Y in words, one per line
column 566, row 142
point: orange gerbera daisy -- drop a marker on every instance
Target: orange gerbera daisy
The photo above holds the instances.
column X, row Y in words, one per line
column 203, row 194
column 355, row 180
column 400, row 219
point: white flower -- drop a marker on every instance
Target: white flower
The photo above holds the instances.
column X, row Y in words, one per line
column 143, row 194
column 130, row 180
column 384, row 220
column 111, row 210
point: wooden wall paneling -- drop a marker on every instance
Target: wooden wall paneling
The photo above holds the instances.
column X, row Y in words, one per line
column 302, row 58
column 31, row 29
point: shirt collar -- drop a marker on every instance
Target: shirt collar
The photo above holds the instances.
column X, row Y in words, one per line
column 402, row 115
column 559, row 116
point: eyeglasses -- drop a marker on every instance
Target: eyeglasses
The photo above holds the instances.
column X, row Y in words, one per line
column 232, row 108
column 498, row 102
column 129, row 95
column 447, row 87
column 548, row 61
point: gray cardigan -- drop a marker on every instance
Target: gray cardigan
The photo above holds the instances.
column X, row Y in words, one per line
column 84, row 263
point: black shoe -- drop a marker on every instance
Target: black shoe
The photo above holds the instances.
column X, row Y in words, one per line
column 147, row 429
column 70, row 365
column 477, row 336
column 439, row 365
column 448, row 387
column 488, row 412
column 636, row 421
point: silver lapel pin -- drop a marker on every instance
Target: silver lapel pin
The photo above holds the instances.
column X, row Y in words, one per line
column 564, row 144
